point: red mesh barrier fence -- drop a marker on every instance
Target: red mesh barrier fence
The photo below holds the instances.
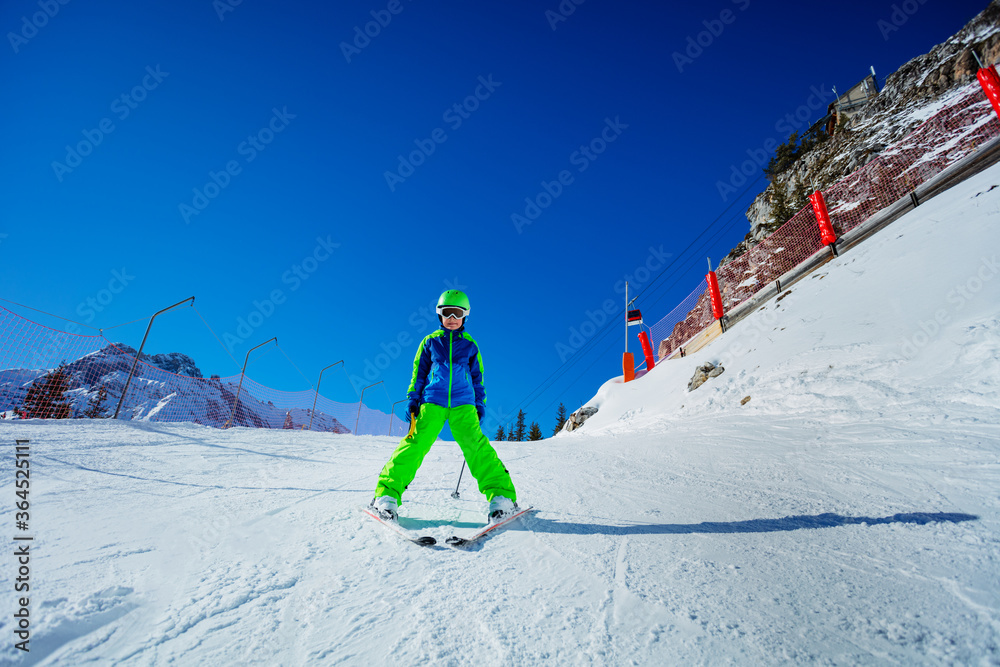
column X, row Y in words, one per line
column 790, row 245
column 684, row 322
column 28, row 352
column 953, row 133
column 46, row 373
column 49, row 373
column 965, row 123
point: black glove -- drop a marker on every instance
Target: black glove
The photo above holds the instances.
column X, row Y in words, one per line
column 412, row 408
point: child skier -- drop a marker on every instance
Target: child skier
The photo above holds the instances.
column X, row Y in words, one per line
column 447, row 385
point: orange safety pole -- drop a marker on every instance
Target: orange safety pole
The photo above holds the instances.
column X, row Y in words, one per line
column 628, row 366
column 628, row 363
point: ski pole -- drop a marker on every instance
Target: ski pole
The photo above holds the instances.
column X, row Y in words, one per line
column 455, row 494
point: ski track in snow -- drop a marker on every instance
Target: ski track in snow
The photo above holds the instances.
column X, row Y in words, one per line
column 848, row 514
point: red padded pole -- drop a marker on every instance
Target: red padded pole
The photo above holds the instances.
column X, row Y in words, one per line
column 647, row 350
column 713, row 290
column 990, row 82
column 826, row 233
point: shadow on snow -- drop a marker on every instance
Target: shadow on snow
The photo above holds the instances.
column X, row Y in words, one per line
column 827, row 520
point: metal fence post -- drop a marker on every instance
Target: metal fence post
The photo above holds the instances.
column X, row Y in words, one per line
column 361, row 402
column 236, row 402
column 139, row 353
column 392, row 412
column 311, row 414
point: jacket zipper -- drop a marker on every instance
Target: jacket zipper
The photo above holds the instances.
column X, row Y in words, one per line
column 451, row 370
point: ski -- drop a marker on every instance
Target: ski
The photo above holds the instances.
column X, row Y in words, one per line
column 456, row 541
column 408, row 535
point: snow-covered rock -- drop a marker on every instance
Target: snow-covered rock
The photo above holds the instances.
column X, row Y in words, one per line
column 577, row 419
column 704, row 373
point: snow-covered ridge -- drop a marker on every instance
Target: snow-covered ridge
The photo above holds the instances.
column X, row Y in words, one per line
column 846, row 514
column 170, row 387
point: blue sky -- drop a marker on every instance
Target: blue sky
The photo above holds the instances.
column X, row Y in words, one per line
column 239, row 153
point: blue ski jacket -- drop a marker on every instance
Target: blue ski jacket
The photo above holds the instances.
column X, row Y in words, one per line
column 448, row 371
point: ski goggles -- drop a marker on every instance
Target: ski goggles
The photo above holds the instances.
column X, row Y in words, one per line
column 452, row 312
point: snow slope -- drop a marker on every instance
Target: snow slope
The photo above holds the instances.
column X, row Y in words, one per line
column 847, row 514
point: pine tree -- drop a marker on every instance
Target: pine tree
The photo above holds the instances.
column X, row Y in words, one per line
column 781, row 207
column 786, row 154
column 781, row 158
column 45, row 398
column 560, row 418
column 519, row 429
column 500, row 435
column 800, row 195
column 510, row 434
column 95, row 407
column 535, row 433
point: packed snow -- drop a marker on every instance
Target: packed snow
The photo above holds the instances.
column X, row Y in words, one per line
column 847, row 513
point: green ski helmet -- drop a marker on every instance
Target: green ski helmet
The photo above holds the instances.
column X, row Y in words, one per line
column 455, row 299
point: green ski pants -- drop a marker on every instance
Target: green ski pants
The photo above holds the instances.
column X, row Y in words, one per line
column 484, row 464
